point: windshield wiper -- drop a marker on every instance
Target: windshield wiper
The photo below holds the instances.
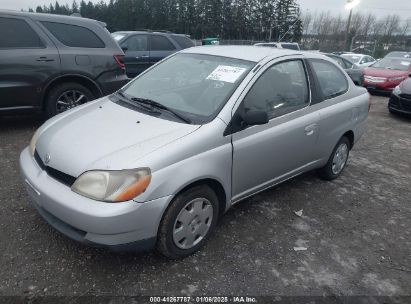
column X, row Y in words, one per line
column 158, row 105
column 128, row 100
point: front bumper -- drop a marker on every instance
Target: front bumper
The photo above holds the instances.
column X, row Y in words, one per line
column 91, row 222
column 400, row 104
column 387, row 86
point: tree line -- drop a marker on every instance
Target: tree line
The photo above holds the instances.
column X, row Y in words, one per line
column 367, row 33
column 265, row 20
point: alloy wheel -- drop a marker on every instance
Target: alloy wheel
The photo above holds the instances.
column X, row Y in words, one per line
column 69, row 100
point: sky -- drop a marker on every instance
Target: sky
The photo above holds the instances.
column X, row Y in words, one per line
column 378, row 7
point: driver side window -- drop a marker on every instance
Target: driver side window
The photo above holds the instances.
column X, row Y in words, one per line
column 136, row 43
column 283, row 88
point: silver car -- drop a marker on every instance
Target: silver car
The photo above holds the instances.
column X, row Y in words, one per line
column 157, row 163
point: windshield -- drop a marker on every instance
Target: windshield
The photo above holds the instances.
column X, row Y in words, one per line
column 401, row 64
column 290, row 46
column 399, row 54
column 352, row 58
column 266, row 44
column 196, row 86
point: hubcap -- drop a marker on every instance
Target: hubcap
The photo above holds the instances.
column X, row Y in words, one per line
column 340, row 158
column 69, row 100
column 193, row 223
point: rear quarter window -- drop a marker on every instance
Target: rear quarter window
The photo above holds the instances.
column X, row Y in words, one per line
column 161, row 43
column 331, row 80
column 74, row 35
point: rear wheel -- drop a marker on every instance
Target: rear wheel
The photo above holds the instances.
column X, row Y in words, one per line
column 188, row 222
column 66, row 96
column 337, row 161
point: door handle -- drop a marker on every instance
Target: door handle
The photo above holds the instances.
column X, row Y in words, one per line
column 144, row 56
column 309, row 130
column 44, row 59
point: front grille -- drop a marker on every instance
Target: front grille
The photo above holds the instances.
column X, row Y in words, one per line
column 62, row 177
column 406, row 106
column 373, row 79
column 406, row 96
column 394, row 100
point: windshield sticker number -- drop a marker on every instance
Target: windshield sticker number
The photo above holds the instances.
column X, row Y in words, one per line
column 226, row 73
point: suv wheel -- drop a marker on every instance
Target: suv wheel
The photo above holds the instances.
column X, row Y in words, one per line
column 337, row 161
column 66, row 96
column 188, row 222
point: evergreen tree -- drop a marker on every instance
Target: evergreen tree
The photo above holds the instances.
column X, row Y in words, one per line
column 227, row 19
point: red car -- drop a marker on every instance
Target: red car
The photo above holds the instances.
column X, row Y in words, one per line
column 386, row 74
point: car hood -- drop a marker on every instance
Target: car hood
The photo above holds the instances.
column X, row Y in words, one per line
column 377, row 72
column 106, row 136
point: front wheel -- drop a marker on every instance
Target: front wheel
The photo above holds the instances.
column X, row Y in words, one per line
column 337, row 161
column 188, row 222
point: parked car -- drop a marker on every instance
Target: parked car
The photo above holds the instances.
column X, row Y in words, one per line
column 145, row 48
column 398, row 54
column 280, row 45
column 360, row 60
column 386, row 74
column 157, row 163
column 400, row 100
column 355, row 72
column 52, row 63
column 342, row 52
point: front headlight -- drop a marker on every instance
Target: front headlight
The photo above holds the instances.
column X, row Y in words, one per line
column 397, row 91
column 112, row 186
column 33, row 142
column 396, row 78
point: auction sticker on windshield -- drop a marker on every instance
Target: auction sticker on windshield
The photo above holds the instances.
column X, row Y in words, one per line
column 226, row 73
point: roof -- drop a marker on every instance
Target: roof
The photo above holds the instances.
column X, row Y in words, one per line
column 148, row 32
column 49, row 17
column 250, row 53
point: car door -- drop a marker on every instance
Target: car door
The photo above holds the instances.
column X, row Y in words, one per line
column 160, row 48
column 267, row 154
column 27, row 60
column 137, row 54
column 337, row 116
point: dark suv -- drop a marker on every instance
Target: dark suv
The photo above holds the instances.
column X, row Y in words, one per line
column 52, row 63
column 145, row 48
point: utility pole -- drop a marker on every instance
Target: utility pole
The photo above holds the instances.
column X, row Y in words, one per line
column 347, row 32
column 350, row 6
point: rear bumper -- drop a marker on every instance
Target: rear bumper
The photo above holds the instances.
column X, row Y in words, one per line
column 116, row 225
column 112, row 81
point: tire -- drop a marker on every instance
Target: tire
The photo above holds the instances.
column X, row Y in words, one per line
column 180, row 220
column 333, row 170
column 58, row 92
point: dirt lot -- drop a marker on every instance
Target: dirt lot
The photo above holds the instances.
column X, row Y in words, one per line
column 357, row 230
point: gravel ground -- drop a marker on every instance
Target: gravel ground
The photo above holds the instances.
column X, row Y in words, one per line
column 357, row 230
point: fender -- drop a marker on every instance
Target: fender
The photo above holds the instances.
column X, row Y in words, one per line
column 56, row 79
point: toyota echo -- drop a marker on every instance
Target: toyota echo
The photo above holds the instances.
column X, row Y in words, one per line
column 155, row 164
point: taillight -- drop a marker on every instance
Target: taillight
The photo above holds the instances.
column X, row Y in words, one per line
column 369, row 102
column 119, row 61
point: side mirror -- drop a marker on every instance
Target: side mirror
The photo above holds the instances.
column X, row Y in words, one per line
column 124, row 48
column 255, row 117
